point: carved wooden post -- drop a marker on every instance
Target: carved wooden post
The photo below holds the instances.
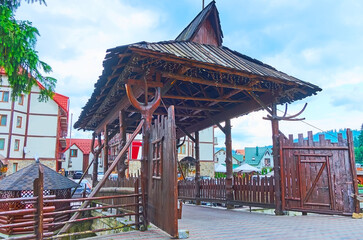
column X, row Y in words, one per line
column 147, row 109
column 276, row 156
column 38, row 187
column 229, row 167
column 197, row 168
column 105, row 152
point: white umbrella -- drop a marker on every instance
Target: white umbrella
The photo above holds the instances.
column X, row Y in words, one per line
column 220, row 168
column 246, row 168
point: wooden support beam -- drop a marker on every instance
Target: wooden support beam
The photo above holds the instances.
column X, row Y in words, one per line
column 211, row 83
column 238, row 110
column 186, row 133
column 105, row 152
column 121, row 167
column 277, row 162
column 142, row 83
column 229, row 166
column 197, row 167
column 258, row 100
column 202, row 99
column 196, row 108
column 217, row 123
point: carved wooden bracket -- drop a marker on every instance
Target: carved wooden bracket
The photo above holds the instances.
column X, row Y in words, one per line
column 148, row 108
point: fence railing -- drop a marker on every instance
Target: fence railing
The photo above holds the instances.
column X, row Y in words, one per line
column 43, row 219
column 249, row 190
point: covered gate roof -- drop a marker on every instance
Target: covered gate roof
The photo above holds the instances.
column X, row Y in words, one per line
column 205, row 81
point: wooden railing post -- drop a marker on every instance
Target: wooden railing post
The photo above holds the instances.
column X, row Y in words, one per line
column 38, row 188
column 137, row 206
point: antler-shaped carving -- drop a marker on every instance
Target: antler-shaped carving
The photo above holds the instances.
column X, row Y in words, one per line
column 146, row 109
column 289, row 118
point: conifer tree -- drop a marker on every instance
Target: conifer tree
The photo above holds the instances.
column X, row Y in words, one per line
column 18, row 57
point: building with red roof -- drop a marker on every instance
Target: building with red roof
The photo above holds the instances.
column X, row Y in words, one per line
column 32, row 129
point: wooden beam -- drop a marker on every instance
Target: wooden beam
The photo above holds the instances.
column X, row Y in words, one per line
column 211, row 83
column 257, row 99
column 105, row 152
column 217, row 123
column 196, row 108
column 236, row 111
column 202, row 99
column 142, row 83
column 186, row 133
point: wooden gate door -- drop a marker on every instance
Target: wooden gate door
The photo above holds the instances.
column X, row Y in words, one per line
column 162, row 175
column 318, row 176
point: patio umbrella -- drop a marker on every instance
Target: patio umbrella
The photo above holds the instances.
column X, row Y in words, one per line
column 220, row 168
column 246, row 168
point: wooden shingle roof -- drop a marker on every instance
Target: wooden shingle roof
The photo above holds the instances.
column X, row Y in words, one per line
column 23, row 179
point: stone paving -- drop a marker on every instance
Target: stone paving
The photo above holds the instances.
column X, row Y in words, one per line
column 217, row 223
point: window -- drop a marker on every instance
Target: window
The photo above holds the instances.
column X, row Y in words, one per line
column 15, row 167
column 181, row 150
column 157, row 160
column 267, row 162
column 74, row 152
column 21, row 100
column 3, row 120
column 4, row 96
column 17, row 144
column 2, row 143
column 19, row 121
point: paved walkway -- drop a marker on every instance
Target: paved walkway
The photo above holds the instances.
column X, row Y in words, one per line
column 216, row 223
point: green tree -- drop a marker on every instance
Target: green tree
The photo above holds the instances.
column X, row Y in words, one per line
column 359, row 149
column 18, row 56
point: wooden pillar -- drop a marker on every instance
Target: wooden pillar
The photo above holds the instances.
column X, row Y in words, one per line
column 95, row 162
column 122, row 165
column 277, row 166
column 229, row 167
column 197, row 167
column 38, row 188
column 145, row 170
column 353, row 169
column 105, row 152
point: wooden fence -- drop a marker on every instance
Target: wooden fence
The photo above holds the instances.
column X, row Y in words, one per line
column 249, row 190
column 43, row 218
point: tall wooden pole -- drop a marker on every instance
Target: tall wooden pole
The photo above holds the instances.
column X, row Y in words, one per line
column 197, row 167
column 229, row 167
column 95, row 162
column 122, row 165
column 276, row 156
column 38, row 188
column 105, row 152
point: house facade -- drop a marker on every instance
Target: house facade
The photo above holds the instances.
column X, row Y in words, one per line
column 220, row 158
column 259, row 157
column 206, row 150
column 32, row 129
column 77, row 156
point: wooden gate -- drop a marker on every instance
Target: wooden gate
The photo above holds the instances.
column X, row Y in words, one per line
column 318, row 176
column 162, row 174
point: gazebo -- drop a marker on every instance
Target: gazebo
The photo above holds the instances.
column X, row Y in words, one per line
column 20, row 185
column 177, row 88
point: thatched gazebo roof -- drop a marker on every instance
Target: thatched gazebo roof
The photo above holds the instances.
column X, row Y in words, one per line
column 23, row 179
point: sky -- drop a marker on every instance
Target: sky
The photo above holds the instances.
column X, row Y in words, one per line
column 316, row 41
